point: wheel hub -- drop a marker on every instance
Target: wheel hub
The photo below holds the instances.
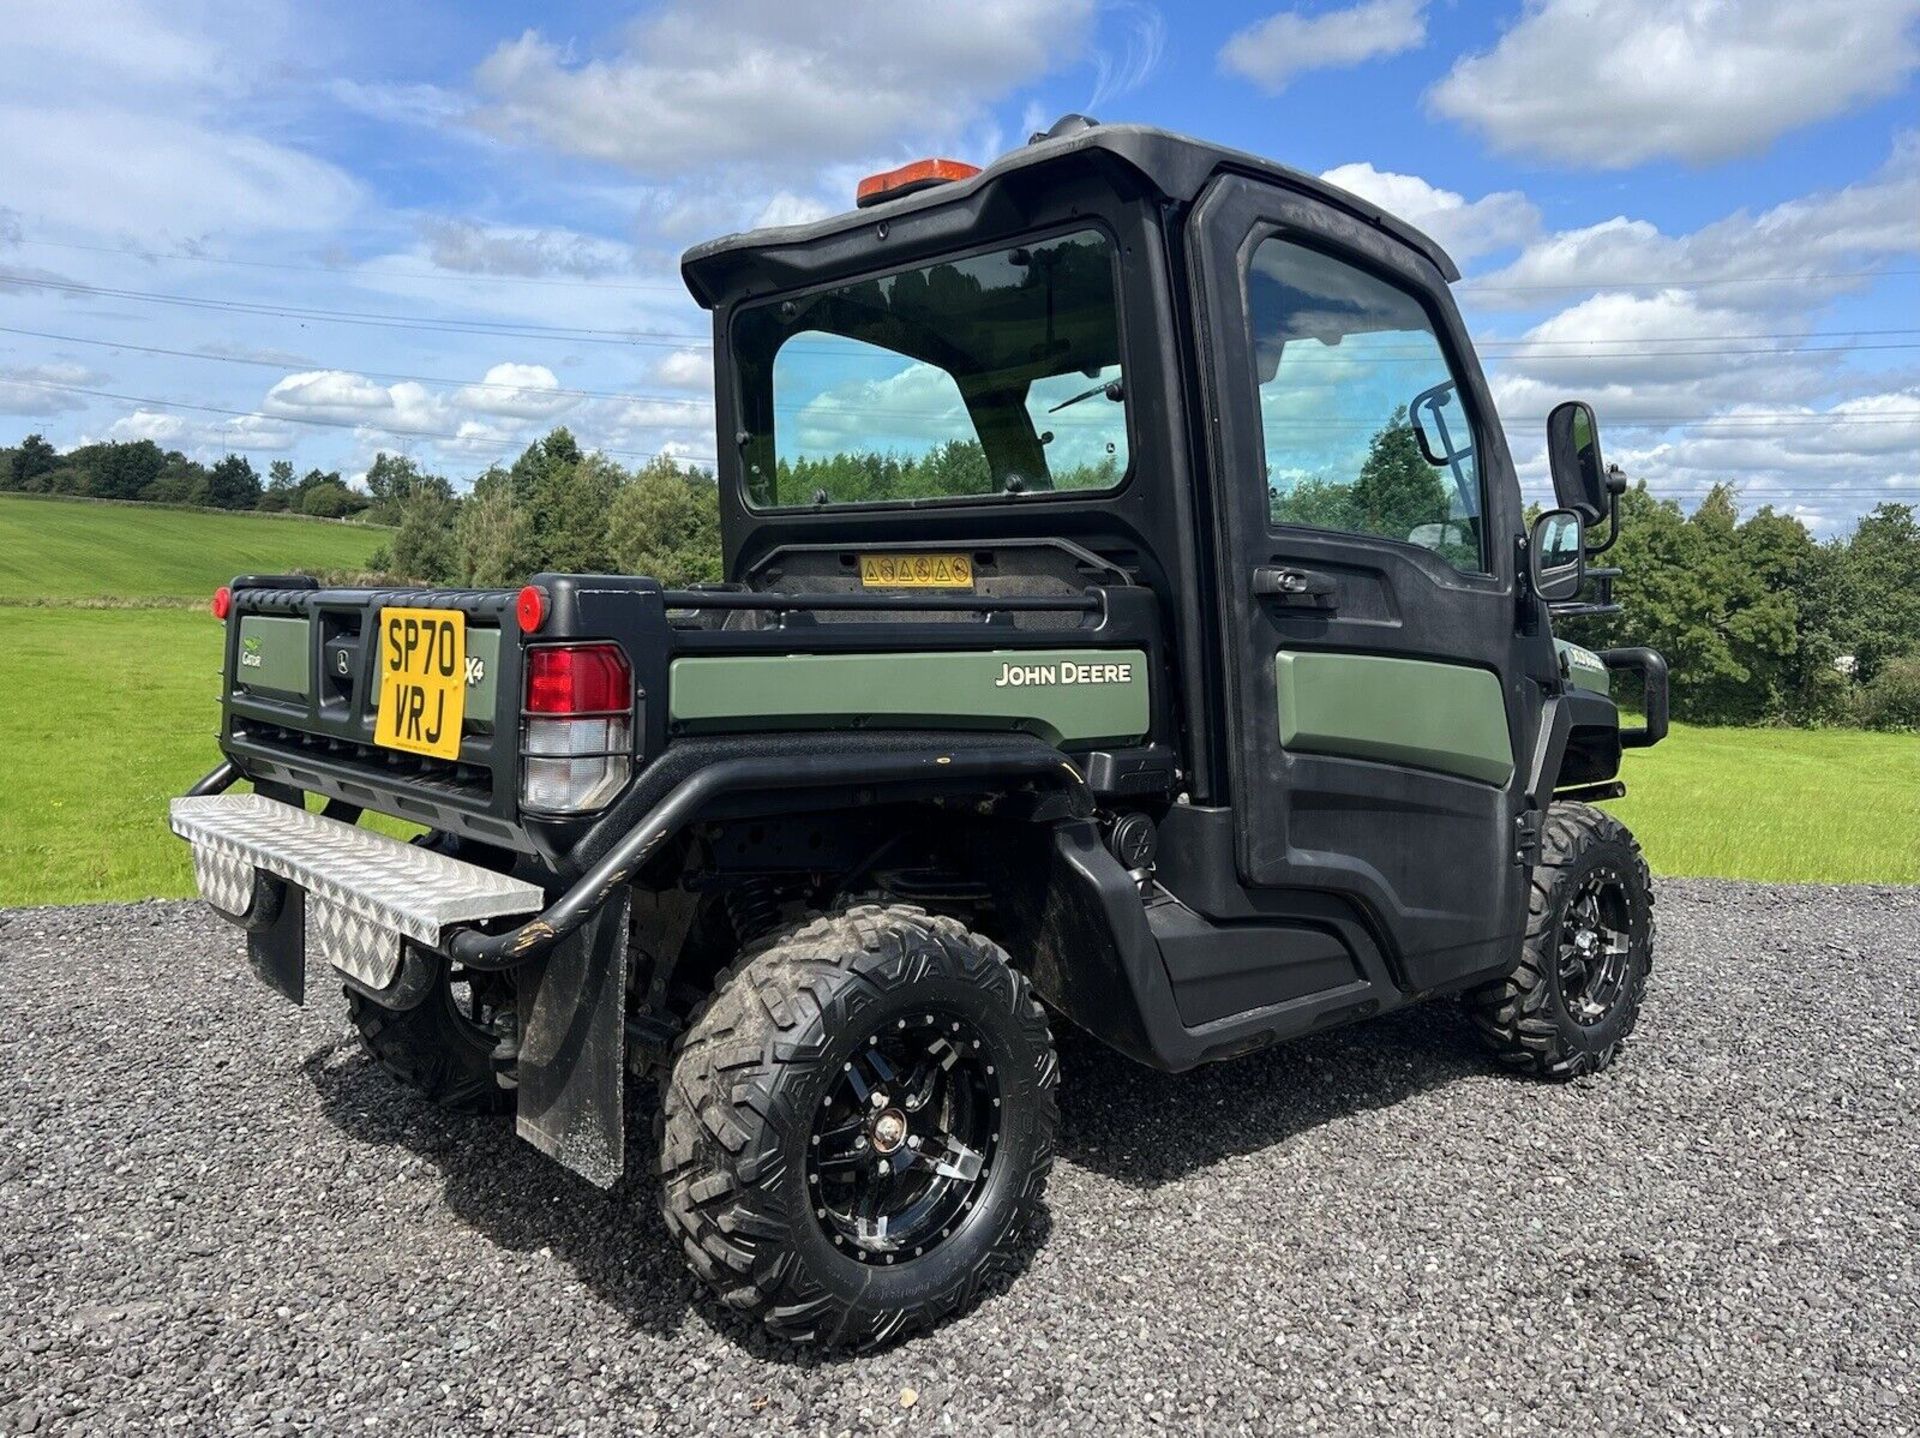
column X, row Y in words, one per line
column 902, row 1144
column 889, row 1131
column 1596, row 951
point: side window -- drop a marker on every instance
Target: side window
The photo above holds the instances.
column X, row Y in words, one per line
column 1363, row 423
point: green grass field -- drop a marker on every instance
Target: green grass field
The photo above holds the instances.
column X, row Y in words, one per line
column 55, row 549
column 107, row 713
column 1831, row 806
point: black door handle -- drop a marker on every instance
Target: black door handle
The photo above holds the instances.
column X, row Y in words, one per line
column 1296, row 588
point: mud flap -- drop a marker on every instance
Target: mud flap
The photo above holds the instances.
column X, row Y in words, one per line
column 572, row 1065
column 276, row 925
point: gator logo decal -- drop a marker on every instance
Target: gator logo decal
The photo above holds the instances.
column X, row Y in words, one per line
column 250, row 652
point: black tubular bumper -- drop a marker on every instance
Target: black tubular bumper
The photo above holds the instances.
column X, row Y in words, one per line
column 1038, row 762
column 1032, row 762
column 1652, row 669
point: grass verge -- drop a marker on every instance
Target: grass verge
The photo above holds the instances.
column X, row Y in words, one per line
column 57, row 550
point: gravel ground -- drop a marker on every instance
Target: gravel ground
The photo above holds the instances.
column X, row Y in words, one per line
column 216, row 1217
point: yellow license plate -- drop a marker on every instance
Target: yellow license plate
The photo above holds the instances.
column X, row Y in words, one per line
column 916, row 571
column 423, row 681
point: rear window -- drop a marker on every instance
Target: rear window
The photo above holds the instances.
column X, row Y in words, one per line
column 997, row 373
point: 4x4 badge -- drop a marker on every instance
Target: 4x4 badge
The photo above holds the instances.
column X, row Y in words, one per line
column 476, row 670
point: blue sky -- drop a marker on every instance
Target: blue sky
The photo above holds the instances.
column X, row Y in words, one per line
column 317, row 231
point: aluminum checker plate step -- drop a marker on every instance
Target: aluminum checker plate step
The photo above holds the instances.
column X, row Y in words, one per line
column 395, row 886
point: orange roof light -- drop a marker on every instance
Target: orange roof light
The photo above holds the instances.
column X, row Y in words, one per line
column 911, row 179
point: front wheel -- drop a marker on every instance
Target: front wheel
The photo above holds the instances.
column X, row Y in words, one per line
column 858, row 1125
column 1574, row 996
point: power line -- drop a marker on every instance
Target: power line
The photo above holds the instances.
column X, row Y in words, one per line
column 1484, row 287
column 1757, row 418
column 461, row 276
column 587, row 335
column 375, row 319
column 1710, row 423
column 454, row 276
column 365, row 373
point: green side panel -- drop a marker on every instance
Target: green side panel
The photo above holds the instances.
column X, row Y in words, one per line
column 1062, row 695
column 483, row 658
column 274, row 655
column 1447, row 717
column 1583, row 667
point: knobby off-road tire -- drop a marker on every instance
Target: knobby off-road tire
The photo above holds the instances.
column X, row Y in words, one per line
column 1570, row 1001
column 434, row 1049
column 763, row 1070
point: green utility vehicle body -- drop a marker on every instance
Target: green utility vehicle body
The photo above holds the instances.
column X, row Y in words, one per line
column 1124, row 561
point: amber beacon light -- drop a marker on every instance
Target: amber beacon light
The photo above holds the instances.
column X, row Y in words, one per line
column 911, row 179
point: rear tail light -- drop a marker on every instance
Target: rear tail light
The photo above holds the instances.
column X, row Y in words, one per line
column 576, row 748
column 222, row 603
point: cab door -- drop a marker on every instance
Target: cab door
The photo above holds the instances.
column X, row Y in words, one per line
column 1381, row 695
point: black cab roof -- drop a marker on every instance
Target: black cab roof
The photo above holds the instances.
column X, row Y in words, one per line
column 1172, row 167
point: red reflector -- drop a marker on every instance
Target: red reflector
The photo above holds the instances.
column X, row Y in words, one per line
column 911, row 179
column 578, row 679
column 222, row 603
column 531, row 608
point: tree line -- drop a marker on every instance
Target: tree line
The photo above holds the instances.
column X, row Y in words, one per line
column 1761, row 622
column 140, row 470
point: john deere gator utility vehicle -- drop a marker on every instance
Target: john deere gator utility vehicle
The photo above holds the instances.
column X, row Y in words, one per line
column 1131, row 622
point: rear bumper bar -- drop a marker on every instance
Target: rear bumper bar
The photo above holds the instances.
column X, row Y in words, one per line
column 395, row 889
column 364, row 892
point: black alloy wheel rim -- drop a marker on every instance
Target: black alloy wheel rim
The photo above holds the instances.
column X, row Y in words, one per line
column 903, row 1144
column 1596, row 947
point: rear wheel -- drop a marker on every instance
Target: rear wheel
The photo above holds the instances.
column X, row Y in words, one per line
column 442, row 1047
column 1575, row 993
column 858, row 1124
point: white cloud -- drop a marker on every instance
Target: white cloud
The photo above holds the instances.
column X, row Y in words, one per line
column 106, row 168
column 1648, row 359
column 521, row 391
column 909, row 407
column 474, row 248
column 1144, row 38
column 121, row 117
column 199, row 438
column 787, row 208
column 421, row 104
column 685, row 369
column 32, row 389
column 768, row 81
column 1463, row 227
column 1824, row 465
column 1819, row 236
column 1698, row 80
column 1286, row 44
column 509, row 404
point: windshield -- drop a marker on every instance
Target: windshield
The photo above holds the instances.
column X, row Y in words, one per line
column 994, row 374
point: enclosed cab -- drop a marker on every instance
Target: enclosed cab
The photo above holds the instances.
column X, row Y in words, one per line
column 1130, row 621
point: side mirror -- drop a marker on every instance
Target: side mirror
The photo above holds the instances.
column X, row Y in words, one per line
column 1580, row 479
column 1557, row 555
